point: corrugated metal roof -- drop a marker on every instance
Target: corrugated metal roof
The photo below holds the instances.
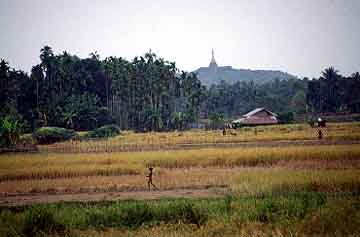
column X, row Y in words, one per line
column 257, row 120
column 257, row 110
column 251, row 118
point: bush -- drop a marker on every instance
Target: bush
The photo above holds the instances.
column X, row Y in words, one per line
column 336, row 219
column 136, row 215
column 104, row 131
column 27, row 139
column 40, row 221
column 216, row 121
column 9, row 131
column 286, row 117
column 184, row 212
column 47, row 135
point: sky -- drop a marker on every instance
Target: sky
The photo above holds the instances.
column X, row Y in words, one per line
column 301, row 37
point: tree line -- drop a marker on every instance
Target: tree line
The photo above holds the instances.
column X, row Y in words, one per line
column 149, row 93
column 231, row 100
column 330, row 93
column 145, row 94
column 333, row 92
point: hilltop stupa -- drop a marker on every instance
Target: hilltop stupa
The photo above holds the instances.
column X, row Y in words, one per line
column 213, row 65
column 214, row 74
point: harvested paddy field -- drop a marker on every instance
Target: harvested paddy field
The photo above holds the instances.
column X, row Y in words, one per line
column 253, row 188
column 240, row 170
column 269, row 136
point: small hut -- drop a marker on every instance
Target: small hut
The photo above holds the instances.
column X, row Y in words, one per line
column 259, row 116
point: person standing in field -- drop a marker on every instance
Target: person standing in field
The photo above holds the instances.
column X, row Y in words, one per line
column 150, row 183
column 320, row 134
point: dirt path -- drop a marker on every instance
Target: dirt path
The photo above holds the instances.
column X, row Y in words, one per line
column 28, row 199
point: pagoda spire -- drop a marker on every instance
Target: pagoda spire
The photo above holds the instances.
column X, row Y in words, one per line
column 212, row 56
column 213, row 65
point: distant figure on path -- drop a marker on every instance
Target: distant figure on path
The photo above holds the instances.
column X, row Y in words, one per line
column 320, row 134
column 321, row 123
column 224, row 131
column 150, row 179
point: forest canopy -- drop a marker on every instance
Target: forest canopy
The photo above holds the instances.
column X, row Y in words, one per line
column 147, row 93
column 150, row 93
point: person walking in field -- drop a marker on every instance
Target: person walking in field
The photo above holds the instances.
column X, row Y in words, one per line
column 320, row 134
column 224, row 131
column 150, row 183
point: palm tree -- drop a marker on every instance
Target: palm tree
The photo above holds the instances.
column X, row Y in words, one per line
column 329, row 90
column 356, row 76
column 46, row 53
column 4, row 81
column 329, row 74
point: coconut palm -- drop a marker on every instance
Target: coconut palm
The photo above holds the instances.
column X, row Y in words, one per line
column 330, row 74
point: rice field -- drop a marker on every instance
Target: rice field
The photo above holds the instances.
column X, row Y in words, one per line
column 173, row 169
column 130, row 141
column 253, row 191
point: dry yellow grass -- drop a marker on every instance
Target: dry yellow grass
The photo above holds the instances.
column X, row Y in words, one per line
column 277, row 180
column 241, row 181
column 130, row 141
column 241, row 168
column 163, row 178
column 38, row 165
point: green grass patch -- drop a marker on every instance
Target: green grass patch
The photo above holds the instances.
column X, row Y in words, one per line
column 48, row 135
column 104, row 132
column 302, row 213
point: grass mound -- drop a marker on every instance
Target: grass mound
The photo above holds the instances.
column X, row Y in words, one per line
column 48, row 135
column 104, row 132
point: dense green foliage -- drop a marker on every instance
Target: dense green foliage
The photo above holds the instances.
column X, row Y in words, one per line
column 41, row 220
column 47, row 135
column 151, row 94
column 302, row 213
column 334, row 93
column 82, row 94
column 9, row 132
column 280, row 96
column 104, row 131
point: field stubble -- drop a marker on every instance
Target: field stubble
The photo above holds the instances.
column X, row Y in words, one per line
column 130, row 141
column 266, row 191
column 250, row 170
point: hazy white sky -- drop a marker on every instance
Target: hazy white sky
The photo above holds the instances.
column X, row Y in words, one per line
column 301, row 37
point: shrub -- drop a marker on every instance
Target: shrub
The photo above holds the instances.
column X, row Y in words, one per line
column 184, row 212
column 136, row 215
column 193, row 215
column 104, row 131
column 336, row 219
column 100, row 219
column 9, row 132
column 40, row 221
column 285, row 118
column 47, row 135
column 216, row 121
column 27, row 139
column 10, row 224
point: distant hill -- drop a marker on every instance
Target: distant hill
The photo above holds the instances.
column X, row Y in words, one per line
column 213, row 75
